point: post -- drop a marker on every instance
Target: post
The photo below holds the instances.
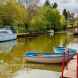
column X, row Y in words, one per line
column 68, row 57
column 63, row 62
column 77, row 65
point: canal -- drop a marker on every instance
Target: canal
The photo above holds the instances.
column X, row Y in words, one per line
column 11, row 52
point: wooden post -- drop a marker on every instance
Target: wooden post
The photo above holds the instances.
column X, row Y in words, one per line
column 77, row 65
column 63, row 62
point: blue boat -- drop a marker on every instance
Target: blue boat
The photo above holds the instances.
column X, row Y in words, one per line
column 63, row 49
column 48, row 57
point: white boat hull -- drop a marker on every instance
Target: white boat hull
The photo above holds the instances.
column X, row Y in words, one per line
column 7, row 37
column 48, row 60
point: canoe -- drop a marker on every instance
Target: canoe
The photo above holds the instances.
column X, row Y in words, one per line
column 7, row 35
column 48, row 57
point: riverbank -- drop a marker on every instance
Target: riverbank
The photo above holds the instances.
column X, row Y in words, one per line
column 30, row 34
column 35, row 34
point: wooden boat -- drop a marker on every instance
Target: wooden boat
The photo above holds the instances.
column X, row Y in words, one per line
column 48, row 57
column 6, row 35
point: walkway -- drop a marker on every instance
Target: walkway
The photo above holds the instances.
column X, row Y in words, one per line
column 36, row 73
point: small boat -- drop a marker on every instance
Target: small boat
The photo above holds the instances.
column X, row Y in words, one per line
column 48, row 57
column 7, row 35
column 63, row 49
column 51, row 32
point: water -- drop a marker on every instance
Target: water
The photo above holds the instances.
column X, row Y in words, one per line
column 11, row 52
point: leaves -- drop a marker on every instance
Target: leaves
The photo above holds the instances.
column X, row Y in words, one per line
column 41, row 18
column 47, row 17
column 13, row 13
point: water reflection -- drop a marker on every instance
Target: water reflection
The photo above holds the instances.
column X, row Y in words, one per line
column 6, row 47
column 73, row 43
column 44, row 43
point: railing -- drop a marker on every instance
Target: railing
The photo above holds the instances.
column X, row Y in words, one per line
column 64, row 63
column 77, row 65
column 63, row 66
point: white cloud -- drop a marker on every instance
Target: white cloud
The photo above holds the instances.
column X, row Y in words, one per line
column 71, row 5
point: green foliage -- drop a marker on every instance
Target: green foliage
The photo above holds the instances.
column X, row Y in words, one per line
column 47, row 17
column 13, row 14
column 38, row 22
column 55, row 5
column 65, row 14
column 47, row 3
column 41, row 18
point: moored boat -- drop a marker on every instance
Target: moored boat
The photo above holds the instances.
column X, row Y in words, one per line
column 7, row 35
column 63, row 49
column 48, row 57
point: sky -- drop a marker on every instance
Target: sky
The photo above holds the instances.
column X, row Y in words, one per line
column 68, row 4
column 71, row 5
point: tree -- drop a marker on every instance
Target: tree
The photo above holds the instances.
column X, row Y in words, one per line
column 47, row 3
column 13, row 14
column 65, row 14
column 55, row 5
column 38, row 23
column 47, row 17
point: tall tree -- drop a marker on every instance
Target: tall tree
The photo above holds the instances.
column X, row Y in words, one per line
column 55, row 5
column 65, row 14
column 13, row 13
column 47, row 17
column 47, row 3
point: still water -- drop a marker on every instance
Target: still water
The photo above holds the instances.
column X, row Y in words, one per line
column 12, row 52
